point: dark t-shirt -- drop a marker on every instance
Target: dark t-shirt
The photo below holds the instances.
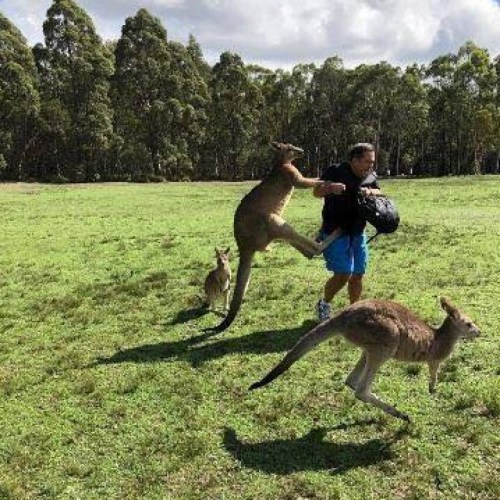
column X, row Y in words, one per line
column 341, row 210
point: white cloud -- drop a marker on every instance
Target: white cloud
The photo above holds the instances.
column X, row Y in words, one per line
column 286, row 32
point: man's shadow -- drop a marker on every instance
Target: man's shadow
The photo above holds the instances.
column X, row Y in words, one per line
column 194, row 351
column 310, row 452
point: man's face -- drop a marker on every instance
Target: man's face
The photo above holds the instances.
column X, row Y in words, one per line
column 364, row 165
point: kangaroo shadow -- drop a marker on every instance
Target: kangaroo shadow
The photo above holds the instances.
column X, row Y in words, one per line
column 310, row 452
column 196, row 353
column 189, row 315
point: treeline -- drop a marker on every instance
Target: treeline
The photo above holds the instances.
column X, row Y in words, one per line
column 146, row 108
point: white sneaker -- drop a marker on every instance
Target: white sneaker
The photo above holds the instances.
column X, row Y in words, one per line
column 323, row 309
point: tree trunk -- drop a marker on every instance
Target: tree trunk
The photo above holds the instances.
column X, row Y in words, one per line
column 398, row 155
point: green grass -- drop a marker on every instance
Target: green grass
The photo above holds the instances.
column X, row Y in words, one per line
column 108, row 389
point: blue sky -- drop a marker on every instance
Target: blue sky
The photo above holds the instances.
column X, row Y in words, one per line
column 282, row 33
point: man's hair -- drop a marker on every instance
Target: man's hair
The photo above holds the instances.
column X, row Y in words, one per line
column 358, row 150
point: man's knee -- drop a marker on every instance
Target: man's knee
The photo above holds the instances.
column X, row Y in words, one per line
column 356, row 278
column 341, row 278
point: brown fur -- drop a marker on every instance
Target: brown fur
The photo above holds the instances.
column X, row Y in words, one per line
column 258, row 221
column 218, row 281
column 384, row 330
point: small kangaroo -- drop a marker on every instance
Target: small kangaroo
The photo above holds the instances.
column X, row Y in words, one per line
column 218, row 281
column 384, row 330
column 258, row 221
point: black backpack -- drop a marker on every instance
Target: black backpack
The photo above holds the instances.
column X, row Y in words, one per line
column 380, row 212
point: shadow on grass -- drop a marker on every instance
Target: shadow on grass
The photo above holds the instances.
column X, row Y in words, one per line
column 196, row 353
column 189, row 315
column 310, row 452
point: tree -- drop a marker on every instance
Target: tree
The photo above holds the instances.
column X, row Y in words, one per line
column 373, row 94
column 329, row 111
column 236, row 103
column 19, row 100
column 407, row 125
column 462, row 90
column 283, row 116
column 160, row 100
column 196, row 54
column 74, row 68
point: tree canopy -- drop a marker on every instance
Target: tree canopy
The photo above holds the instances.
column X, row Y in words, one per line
column 146, row 108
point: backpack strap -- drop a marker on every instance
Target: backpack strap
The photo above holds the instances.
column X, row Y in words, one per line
column 372, row 237
column 368, row 180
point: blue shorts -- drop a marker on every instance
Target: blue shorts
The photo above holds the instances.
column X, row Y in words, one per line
column 348, row 254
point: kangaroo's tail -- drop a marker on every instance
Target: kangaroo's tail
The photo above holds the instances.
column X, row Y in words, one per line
column 310, row 340
column 242, row 281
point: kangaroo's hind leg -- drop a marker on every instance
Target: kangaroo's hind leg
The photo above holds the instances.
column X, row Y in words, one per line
column 363, row 391
column 280, row 229
column 353, row 378
column 226, row 294
column 329, row 239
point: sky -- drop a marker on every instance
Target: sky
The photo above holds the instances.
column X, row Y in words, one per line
column 283, row 33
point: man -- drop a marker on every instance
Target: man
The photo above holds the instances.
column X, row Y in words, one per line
column 347, row 256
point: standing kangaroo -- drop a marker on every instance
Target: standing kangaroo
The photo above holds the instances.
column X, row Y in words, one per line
column 258, row 221
column 384, row 330
column 218, row 281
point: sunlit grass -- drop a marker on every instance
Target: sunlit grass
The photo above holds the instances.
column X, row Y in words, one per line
column 108, row 388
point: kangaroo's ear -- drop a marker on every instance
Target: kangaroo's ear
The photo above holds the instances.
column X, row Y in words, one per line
column 216, row 251
column 450, row 309
column 275, row 145
column 228, row 249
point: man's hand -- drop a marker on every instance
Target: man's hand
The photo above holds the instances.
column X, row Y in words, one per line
column 324, row 188
column 365, row 191
column 333, row 188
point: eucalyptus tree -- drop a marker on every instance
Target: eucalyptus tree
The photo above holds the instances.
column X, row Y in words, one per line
column 196, row 54
column 330, row 108
column 440, row 75
column 186, row 112
column 477, row 72
column 285, row 94
column 495, row 163
column 406, row 127
column 295, row 90
column 284, row 115
column 74, row 68
column 474, row 79
column 19, row 100
column 141, row 60
column 462, row 96
column 160, row 100
column 234, row 116
column 372, row 96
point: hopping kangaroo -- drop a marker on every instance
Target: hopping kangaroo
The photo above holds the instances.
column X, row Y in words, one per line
column 218, row 281
column 258, row 221
column 384, row 330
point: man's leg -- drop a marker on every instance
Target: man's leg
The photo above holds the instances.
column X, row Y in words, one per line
column 334, row 285
column 355, row 287
column 360, row 256
column 338, row 259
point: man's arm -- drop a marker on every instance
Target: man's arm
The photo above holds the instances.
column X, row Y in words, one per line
column 327, row 187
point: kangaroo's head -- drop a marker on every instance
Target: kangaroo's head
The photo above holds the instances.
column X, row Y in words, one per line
column 461, row 323
column 287, row 152
column 222, row 256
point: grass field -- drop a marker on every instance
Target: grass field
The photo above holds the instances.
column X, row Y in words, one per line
column 109, row 390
